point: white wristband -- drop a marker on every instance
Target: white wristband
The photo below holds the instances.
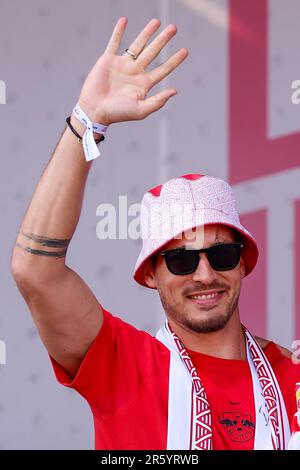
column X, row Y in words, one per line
column 90, row 148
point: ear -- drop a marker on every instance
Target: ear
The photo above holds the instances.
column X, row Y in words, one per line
column 149, row 274
column 242, row 267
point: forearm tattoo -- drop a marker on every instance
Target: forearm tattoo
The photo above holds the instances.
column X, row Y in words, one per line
column 47, row 242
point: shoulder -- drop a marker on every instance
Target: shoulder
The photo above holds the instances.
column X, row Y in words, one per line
column 123, row 334
column 281, row 358
column 264, row 343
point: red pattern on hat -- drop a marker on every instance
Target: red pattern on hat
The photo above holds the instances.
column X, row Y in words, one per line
column 192, row 176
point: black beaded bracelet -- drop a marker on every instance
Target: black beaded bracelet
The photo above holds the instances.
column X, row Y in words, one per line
column 68, row 121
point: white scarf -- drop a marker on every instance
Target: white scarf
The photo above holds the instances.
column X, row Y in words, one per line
column 189, row 416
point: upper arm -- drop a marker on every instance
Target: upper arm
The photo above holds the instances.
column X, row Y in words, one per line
column 120, row 363
column 67, row 315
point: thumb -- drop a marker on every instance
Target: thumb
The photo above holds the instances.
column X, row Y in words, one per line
column 155, row 102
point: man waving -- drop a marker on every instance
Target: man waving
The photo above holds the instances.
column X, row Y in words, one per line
column 201, row 382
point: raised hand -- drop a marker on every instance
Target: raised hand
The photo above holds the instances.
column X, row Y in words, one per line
column 117, row 86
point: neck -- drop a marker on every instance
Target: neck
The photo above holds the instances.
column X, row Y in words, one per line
column 228, row 343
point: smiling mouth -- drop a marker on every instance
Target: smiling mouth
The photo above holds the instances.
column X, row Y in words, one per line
column 207, row 299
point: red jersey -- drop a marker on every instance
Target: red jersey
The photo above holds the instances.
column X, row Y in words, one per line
column 125, row 378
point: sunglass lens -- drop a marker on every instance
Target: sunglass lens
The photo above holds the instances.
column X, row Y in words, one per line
column 224, row 257
column 182, row 261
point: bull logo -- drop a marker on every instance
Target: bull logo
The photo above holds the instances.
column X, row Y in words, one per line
column 239, row 426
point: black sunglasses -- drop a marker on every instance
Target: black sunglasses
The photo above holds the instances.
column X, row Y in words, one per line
column 221, row 257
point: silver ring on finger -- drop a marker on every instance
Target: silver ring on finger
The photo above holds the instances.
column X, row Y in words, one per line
column 133, row 55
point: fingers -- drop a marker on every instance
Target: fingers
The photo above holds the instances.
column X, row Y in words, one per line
column 139, row 43
column 160, row 72
column 116, row 37
column 155, row 102
column 154, row 48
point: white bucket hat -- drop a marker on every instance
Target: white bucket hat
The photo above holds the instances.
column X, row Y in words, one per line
column 184, row 203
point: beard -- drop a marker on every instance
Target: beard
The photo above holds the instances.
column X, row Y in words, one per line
column 216, row 322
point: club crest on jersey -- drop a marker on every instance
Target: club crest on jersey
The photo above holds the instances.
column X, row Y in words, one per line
column 239, row 426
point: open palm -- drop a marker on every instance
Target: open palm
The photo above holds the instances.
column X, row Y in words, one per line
column 116, row 88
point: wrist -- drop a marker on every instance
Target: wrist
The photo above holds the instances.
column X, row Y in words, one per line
column 80, row 128
column 93, row 114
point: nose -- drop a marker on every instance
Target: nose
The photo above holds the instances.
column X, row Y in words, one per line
column 204, row 271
